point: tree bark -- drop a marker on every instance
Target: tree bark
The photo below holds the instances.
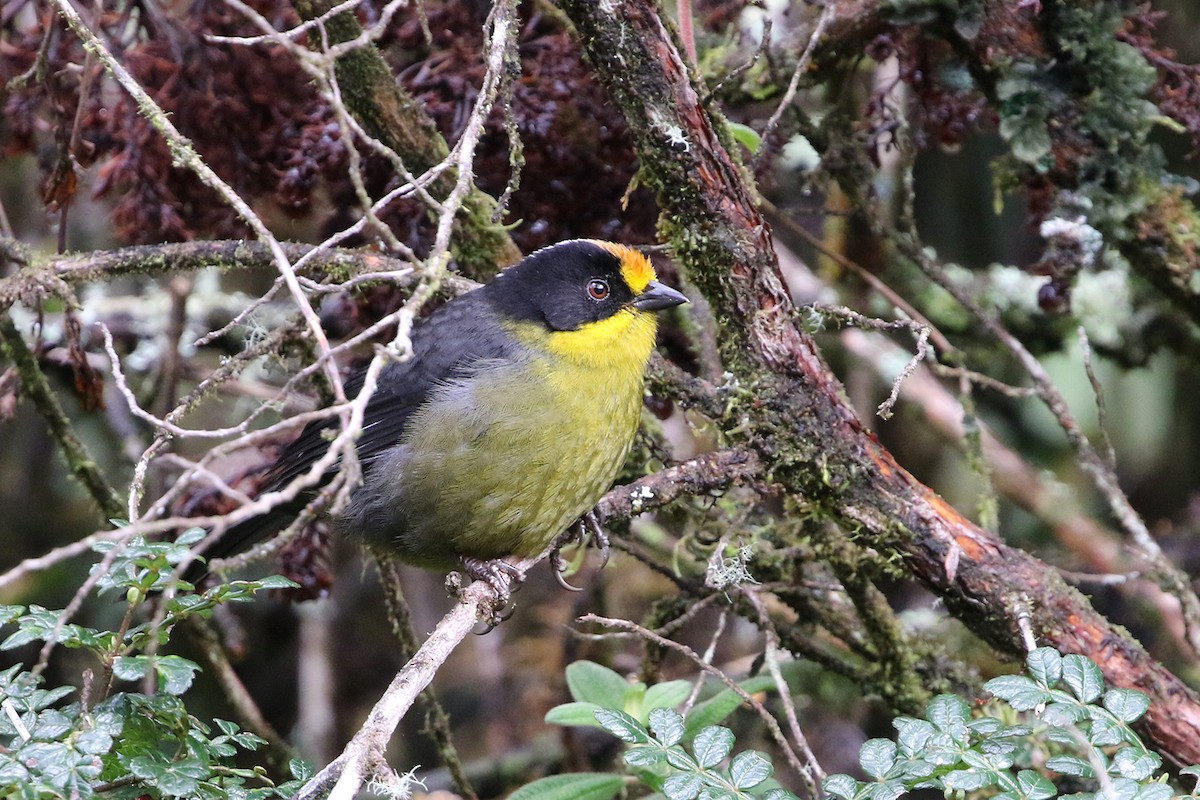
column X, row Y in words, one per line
column 806, row 435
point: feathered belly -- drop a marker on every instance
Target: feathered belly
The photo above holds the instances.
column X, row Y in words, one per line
column 500, row 464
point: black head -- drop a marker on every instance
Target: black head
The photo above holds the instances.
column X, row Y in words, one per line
column 568, row 285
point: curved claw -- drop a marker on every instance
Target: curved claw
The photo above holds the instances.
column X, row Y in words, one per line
column 501, row 614
column 559, row 567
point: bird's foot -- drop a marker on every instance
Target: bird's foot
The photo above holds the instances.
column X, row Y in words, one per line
column 589, row 523
column 504, row 578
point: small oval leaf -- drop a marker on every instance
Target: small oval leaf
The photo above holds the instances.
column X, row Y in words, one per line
column 667, row 725
column 590, row 682
column 877, row 756
column 712, row 745
column 749, row 769
column 622, row 726
column 1083, row 677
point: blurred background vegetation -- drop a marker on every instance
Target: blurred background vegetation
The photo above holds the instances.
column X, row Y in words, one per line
column 316, row 667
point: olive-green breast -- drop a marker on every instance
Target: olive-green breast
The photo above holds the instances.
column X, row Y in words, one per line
column 500, row 462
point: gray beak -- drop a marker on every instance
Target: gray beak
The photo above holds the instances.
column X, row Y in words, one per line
column 658, row 296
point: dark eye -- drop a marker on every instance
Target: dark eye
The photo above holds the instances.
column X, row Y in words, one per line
column 597, row 289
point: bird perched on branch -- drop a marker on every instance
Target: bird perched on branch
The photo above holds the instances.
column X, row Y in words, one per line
column 511, row 418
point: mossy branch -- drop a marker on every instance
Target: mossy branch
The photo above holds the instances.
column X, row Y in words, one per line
column 39, row 275
column 37, row 389
column 798, row 423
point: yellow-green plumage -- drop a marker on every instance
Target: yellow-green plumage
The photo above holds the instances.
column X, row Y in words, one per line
column 511, row 419
column 551, row 435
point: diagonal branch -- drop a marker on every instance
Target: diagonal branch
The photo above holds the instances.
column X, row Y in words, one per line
column 817, row 447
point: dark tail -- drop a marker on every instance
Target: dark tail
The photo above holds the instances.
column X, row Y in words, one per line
column 243, row 536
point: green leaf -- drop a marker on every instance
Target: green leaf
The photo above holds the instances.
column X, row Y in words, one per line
column 177, row 784
column 130, row 668
column 1155, row 791
column 986, row 726
column 1063, row 736
column 573, row 714
column 985, row 761
column 712, row 745
column 272, row 582
column 1060, row 715
column 94, row 742
column 622, row 726
column 1035, row 787
column 888, row 790
column 682, row 787
column 10, row 613
column 749, row 769
column 876, row 757
column 1120, row 789
column 175, row 674
column 20, row 637
column 841, row 786
column 745, row 136
column 228, row 728
column 644, row 756
column 1045, row 666
column 779, row 794
column 191, row 536
column 1018, row 691
column 1134, row 765
column 666, row 725
column 1083, row 677
column 678, row 758
column 949, row 713
column 146, row 767
column 1105, row 732
column 44, row 699
column 967, row 780
column 572, row 786
column 300, row 769
column 912, row 734
column 12, row 772
column 1126, row 705
column 1070, row 765
column 590, row 682
column 914, row 769
column 666, row 695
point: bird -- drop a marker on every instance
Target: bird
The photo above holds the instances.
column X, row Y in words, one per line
column 511, row 418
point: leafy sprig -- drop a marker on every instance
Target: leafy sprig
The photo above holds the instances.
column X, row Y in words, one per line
column 1059, row 717
column 683, row 758
column 126, row 744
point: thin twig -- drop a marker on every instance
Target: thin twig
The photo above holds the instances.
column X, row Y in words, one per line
column 922, row 353
column 709, row 652
column 812, row 773
column 789, row 95
column 1106, row 447
column 185, row 154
